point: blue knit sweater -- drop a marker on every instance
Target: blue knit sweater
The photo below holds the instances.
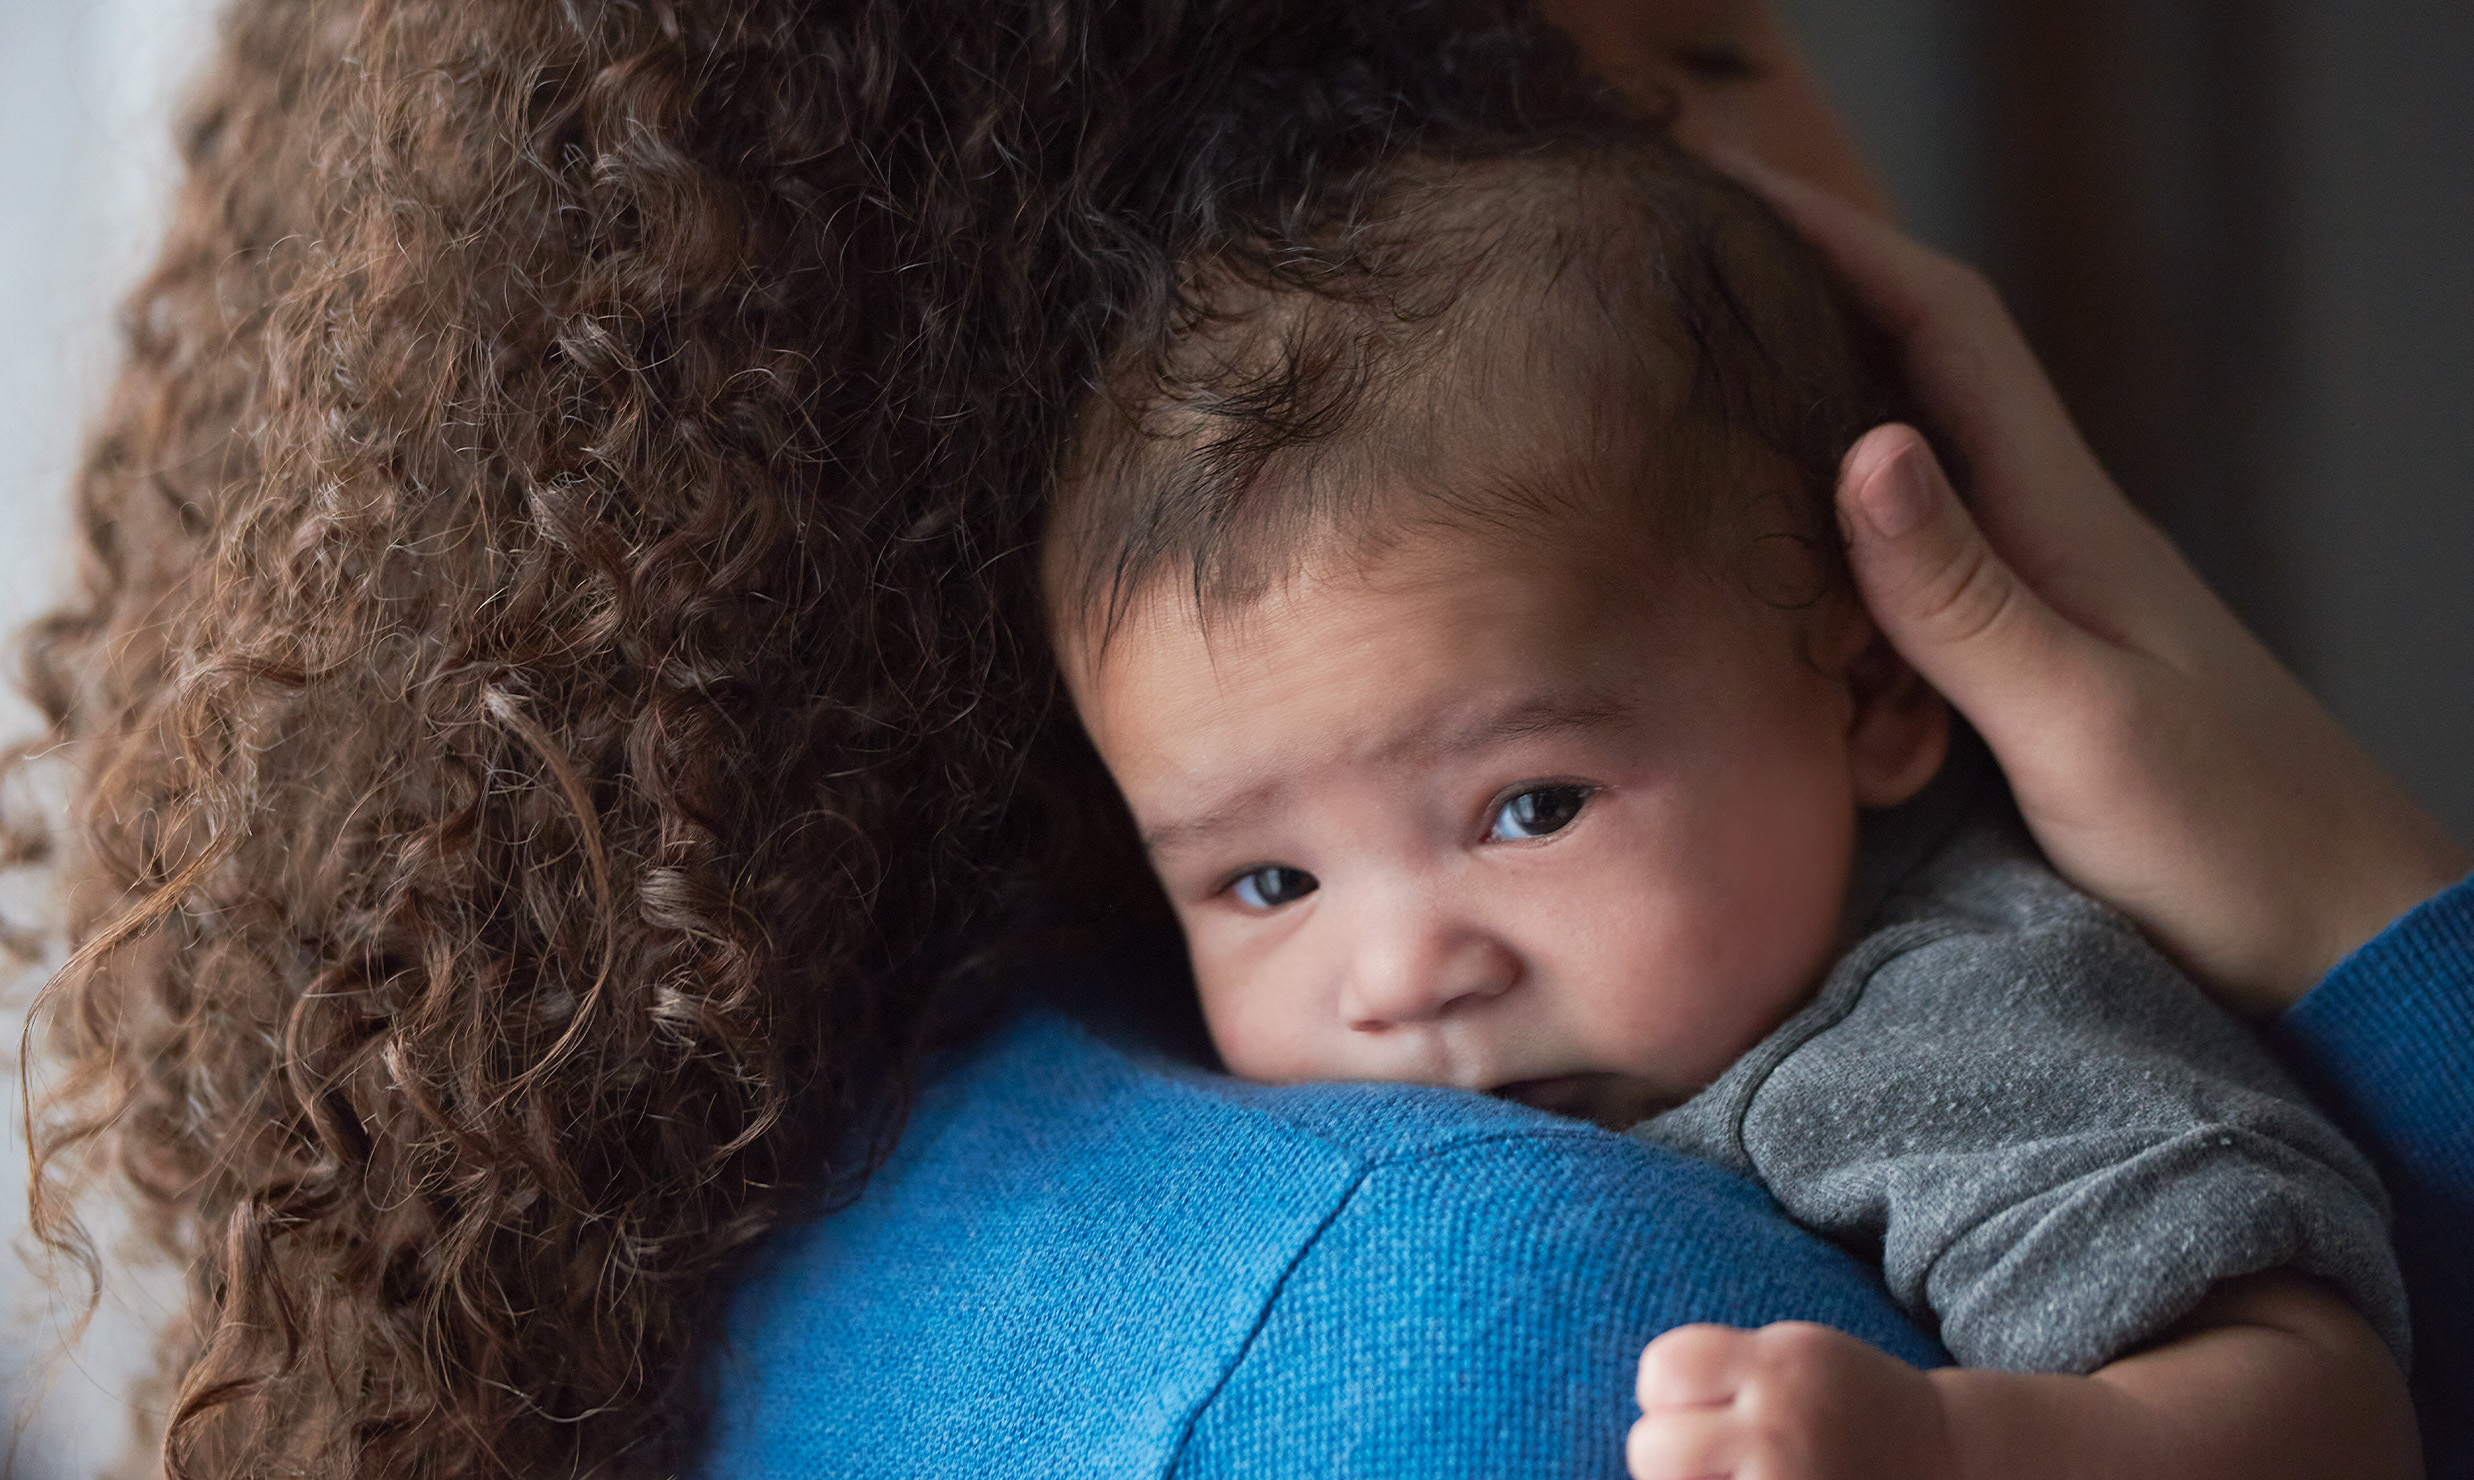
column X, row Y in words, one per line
column 1088, row 1261
column 2386, row 1044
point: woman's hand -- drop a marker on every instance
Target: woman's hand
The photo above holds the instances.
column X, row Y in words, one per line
column 1733, row 79
column 2165, row 760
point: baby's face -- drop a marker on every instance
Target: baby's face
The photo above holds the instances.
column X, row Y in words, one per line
column 1473, row 816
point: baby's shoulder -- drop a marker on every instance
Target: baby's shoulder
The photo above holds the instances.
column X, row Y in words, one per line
column 1986, row 999
column 1986, row 876
column 1982, row 926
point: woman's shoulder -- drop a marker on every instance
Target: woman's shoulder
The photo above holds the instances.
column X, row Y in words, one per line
column 1085, row 1259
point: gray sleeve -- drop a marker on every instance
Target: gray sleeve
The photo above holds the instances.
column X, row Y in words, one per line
column 2052, row 1144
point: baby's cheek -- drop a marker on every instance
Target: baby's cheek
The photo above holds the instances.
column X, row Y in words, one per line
column 1724, row 941
column 1259, row 1030
column 1776, row 936
column 1689, row 1022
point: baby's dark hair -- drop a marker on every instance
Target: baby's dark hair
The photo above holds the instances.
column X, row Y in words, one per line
column 1473, row 344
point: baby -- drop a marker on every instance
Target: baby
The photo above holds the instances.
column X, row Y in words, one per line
column 1455, row 598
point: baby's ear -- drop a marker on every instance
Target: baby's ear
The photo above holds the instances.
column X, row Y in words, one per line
column 1898, row 729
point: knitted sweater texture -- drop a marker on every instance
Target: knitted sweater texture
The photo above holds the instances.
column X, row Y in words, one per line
column 1088, row 1261
column 2386, row 1045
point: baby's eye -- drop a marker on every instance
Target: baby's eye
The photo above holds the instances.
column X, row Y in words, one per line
column 1536, row 812
column 1273, row 885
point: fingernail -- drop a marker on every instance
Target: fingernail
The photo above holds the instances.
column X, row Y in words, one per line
column 1898, row 499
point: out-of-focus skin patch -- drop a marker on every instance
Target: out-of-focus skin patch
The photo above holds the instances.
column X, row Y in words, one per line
column 1735, row 78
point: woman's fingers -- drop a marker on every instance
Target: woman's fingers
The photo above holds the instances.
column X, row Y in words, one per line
column 2164, row 759
column 1885, row 269
column 1952, row 606
column 2171, row 768
column 2034, row 480
column 1935, row 309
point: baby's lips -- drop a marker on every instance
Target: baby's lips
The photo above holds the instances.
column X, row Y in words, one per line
column 1614, row 1101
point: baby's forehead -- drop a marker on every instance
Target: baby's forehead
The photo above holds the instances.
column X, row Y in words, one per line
column 1564, row 587
column 1446, row 650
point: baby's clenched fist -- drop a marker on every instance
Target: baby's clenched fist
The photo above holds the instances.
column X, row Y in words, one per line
column 1791, row 1401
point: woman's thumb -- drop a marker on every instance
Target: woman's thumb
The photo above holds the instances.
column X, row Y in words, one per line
column 1950, row 605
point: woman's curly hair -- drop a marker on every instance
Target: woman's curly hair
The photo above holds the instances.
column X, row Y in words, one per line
column 556, row 689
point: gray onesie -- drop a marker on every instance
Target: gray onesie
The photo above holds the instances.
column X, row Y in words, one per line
column 2050, row 1143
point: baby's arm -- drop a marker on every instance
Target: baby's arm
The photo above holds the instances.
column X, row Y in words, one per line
column 2272, row 1376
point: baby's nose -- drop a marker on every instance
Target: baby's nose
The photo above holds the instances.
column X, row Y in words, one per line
column 1421, row 971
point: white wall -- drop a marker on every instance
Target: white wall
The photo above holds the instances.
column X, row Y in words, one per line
column 85, row 172
column 85, row 166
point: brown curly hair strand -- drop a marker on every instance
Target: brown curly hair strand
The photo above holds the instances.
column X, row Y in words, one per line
column 556, row 688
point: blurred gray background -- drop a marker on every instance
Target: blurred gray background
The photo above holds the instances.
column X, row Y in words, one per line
column 2241, row 231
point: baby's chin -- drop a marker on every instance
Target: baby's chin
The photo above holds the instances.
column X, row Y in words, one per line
column 1615, row 1101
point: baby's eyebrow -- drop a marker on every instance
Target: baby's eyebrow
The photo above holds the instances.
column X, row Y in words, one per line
column 1540, row 714
column 1531, row 716
column 1187, row 833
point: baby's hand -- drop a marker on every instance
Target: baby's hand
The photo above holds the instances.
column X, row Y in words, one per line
column 1787, row 1402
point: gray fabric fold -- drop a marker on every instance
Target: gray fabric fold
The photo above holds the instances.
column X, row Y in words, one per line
column 2053, row 1145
